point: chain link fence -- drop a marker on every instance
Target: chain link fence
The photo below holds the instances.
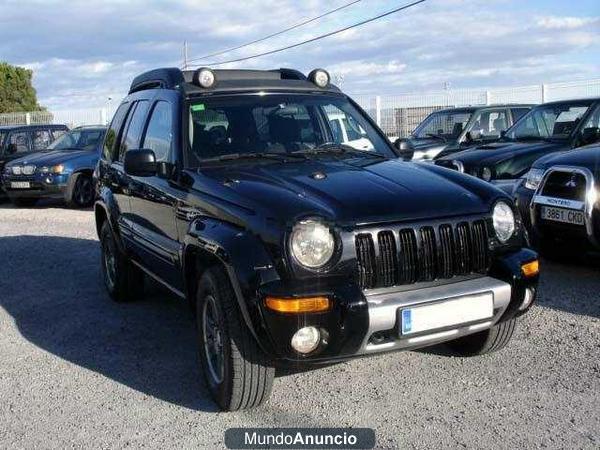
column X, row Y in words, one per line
column 396, row 114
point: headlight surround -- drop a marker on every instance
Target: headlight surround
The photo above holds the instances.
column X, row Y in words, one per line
column 534, row 178
column 504, row 221
column 312, row 244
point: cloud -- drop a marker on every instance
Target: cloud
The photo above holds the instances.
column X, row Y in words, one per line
column 83, row 53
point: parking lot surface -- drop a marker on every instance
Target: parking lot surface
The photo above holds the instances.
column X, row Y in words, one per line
column 79, row 370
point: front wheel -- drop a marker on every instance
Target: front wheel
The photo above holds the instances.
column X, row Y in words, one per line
column 81, row 194
column 486, row 341
column 238, row 373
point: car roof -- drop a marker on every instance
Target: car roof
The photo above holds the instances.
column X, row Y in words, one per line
column 90, row 127
column 26, row 127
column 227, row 81
column 574, row 100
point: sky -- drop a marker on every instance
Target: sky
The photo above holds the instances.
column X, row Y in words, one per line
column 84, row 53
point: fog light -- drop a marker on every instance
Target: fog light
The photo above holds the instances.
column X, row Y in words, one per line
column 529, row 296
column 531, row 269
column 306, row 339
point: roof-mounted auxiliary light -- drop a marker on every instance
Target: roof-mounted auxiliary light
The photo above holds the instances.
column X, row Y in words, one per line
column 204, row 77
column 319, row 77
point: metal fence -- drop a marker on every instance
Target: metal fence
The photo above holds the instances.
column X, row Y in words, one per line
column 396, row 114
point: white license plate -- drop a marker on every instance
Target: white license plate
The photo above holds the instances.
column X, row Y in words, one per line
column 447, row 313
column 562, row 215
column 20, row 184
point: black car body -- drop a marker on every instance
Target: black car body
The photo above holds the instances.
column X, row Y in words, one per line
column 559, row 198
column 548, row 128
column 292, row 248
column 17, row 141
column 453, row 129
column 63, row 170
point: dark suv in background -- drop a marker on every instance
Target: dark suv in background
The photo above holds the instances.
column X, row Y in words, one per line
column 229, row 188
column 454, row 129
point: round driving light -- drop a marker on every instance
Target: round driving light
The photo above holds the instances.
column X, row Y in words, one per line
column 306, row 339
column 486, row 174
column 205, row 77
column 312, row 244
column 504, row 221
column 320, row 77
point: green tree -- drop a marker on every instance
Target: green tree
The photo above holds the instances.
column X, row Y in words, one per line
column 16, row 91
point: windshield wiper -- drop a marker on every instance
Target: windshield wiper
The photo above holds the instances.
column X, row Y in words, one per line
column 436, row 136
column 340, row 149
column 258, row 155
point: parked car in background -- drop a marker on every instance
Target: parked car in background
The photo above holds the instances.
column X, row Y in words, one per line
column 347, row 131
column 63, row 170
column 17, row 141
column 453, row 129
column 293, row 249
column 558, row 200
column 548, row 128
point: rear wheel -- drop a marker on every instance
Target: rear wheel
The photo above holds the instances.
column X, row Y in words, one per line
column 81, row 194
column 23, row 201
column 124, row 281
column 238, row 373
column 486, row 341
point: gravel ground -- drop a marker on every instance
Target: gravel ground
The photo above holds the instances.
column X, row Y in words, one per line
column 77, row 370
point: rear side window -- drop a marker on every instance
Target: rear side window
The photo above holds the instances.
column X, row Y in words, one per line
column 159, row 132
column 133, row 135
column 110, row 141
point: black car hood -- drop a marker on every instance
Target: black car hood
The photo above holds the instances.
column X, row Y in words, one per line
column 490, row 154
column 49, row 158
column 587, row 157
column 351, row 191
column 426, row 144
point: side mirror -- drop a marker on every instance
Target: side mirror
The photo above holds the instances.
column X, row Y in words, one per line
column 140, row 163
column 590, row 135
column 405, row 148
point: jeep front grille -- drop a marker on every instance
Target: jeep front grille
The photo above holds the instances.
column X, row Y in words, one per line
column 408, row 255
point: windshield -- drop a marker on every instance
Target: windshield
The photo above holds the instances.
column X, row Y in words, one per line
column 276, row 124
column 444, row 124
column 548, row 122
column 78, row 140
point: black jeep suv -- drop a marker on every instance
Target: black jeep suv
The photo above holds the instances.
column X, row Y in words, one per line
column 230, row 188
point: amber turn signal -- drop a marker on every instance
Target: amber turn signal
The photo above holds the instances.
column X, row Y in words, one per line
column 531, row 269
column 298, row 305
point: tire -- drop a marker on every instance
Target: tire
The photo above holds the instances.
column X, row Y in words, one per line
column 81, row 192
column 23, row 202
column 242, row 376
column 124, row 281
column 487, row 341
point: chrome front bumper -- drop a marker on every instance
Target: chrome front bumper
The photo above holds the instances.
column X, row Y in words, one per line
column 384, row 307
column 585, row 205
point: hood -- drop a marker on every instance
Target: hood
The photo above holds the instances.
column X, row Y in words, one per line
column 351, row 191
column 490, row 154
column 427, row 144
column 587, row 157
column 49, row 158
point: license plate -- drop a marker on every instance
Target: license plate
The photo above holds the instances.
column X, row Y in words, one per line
column 562, row 215
column 20, row 184
column 447, row 313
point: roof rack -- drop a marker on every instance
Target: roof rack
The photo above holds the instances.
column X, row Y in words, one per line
column 172, row 77
column 166, row 78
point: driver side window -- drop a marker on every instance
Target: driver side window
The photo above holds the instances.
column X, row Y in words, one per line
column 590, row 131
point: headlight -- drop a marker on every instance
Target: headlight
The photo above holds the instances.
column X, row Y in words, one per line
column 54, row 169
column 312, row 244
column 504, row 221
column 486, row 174
column 534, row 178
